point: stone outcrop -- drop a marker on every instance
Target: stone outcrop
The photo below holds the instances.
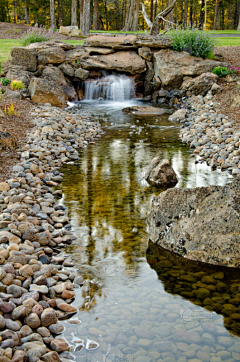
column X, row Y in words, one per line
column 44, row 91
column 200, row 224
column 150, row 59
column 98, row 50
column 172, row 66
column 122, row 61
column 144, row 110
column 24, row 57
column 54, row 74
column 179, row 115
column 104, row 41
column 200, row 85
column 150, row 41
column 161, row 173
column 70, row 30
column 51, row 55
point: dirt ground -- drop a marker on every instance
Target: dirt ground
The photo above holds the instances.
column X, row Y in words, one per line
column 231, row 56
column 18, row 126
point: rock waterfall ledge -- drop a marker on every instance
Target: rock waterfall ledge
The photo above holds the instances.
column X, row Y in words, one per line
column 201, row 224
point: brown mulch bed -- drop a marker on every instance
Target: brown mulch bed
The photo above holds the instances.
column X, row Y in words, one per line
column 18, row 126
column 231, row 56
column 16, row 31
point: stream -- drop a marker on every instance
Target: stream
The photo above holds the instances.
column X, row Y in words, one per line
column 140, row 302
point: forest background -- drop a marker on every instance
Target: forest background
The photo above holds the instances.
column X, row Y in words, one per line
column 116, row 15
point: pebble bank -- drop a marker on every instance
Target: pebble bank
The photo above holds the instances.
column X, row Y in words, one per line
column 37, row 280
column 211, row 134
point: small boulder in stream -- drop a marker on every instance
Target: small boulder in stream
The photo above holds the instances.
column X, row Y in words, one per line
column 161, row 173
column 144, row 110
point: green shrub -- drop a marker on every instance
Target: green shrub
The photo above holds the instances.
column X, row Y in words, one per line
column 4, row 81
column 223, row 72
column 195, row 42
column 16, row 84
column 37, row 34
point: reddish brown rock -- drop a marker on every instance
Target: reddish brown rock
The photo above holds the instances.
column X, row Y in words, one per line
column 68, row 294
column 59, row 345
column 67, row 308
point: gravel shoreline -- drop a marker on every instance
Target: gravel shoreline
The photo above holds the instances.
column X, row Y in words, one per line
column 210, row 135
column 37, row 280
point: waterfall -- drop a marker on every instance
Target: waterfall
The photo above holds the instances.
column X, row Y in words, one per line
column 116, row 88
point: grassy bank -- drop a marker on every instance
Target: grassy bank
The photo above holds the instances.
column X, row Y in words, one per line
column 7, row 44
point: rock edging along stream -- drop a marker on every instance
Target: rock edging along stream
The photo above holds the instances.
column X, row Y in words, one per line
column 203, row 224
column 36, row 282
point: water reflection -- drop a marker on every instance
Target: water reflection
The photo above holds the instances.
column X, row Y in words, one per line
column 214, row 288
column 123, row 304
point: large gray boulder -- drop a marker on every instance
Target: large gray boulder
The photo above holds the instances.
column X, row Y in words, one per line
column 172, row 66
column 54, row 74
column 24, row 57
column 51, row 55
column 44, row 91
column 200, row 223
column 69, row 30
column 75, row 54
column 161, row 173
column 105, row 41
column 122, row 61
column 200, row 85
column 143, row 40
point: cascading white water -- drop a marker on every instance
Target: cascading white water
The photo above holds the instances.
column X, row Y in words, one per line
column 116, row 88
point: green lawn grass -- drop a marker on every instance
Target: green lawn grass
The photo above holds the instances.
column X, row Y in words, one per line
column 7, row 44
column 231, row 41
column 5, row 47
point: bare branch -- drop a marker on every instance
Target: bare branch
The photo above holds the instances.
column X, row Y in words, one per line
column 146, row 18
column 161, row 17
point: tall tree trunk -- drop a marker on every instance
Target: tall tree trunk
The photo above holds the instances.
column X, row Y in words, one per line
column 132, row 11
column 222, row 17
column 182, row 12
column 123, row 12
column 95, row 14
column 60, row 13
column 26, row 12
column 151, row 16
column 170, row 16
column 185, row 14
column 191, row 16
column 86, row 17
column 236, row 14
column 201, row 18
column 52, row 14
column 217, row 17
column 81, row 14
column 106, row 13
column 74, row 13
column 155, row 9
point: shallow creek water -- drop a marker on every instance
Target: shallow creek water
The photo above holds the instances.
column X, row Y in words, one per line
column 140, row 302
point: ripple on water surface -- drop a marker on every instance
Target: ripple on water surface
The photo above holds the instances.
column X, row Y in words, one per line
column 139, row 302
